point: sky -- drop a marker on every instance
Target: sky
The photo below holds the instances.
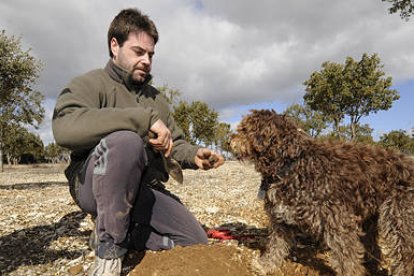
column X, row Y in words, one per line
column 233, row 55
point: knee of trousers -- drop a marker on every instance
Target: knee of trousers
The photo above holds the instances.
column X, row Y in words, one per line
column 126, row 145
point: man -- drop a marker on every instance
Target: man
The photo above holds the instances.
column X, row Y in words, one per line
column 120, row 132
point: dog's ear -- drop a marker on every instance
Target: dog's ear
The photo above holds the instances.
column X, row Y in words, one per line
column 270, row 131
column 293, row 137
column 283, row 136
column 267, row 130
column 262, row 139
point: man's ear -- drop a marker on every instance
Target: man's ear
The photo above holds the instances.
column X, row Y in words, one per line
column 114, row 47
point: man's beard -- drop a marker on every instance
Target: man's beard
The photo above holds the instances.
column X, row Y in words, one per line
column 132, row 80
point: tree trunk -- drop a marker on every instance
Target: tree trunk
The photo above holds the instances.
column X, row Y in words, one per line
column 8, row 157
column 1, row 158
column 336, row 127
column 353, row 131
column 1, row 149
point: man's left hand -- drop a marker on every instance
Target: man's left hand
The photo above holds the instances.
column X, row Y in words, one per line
column 207, row 159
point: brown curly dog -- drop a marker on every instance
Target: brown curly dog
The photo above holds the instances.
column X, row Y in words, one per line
column 328, row 190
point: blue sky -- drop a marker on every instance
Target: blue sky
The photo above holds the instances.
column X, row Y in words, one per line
column 399, row 117
column 233, row 55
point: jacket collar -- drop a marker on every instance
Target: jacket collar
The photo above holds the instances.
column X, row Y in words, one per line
column 123, row 76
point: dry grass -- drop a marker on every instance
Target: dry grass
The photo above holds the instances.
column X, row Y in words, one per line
column 42, row 232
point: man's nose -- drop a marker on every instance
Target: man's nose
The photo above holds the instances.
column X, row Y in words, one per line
column 146, row 59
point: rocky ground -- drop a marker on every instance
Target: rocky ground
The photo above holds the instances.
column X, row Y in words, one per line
column 42, row 231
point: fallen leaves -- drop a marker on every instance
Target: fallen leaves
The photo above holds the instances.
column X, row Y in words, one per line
column 42, row 231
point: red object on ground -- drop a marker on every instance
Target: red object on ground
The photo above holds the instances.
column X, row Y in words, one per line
column 225, row 234
column 220, row 234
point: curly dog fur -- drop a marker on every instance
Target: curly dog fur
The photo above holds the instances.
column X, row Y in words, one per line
column 328, row 189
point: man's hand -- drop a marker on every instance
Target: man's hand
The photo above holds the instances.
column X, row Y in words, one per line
column 162, row 141
column 206, row 159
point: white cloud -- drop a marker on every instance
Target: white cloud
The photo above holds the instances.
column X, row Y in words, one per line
column 228, row 54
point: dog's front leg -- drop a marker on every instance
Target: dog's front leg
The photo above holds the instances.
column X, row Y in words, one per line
column 277, row 249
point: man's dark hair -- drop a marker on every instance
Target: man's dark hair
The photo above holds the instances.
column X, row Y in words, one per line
column 127, row 21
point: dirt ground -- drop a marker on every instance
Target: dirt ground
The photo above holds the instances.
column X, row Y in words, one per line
column 42, row 231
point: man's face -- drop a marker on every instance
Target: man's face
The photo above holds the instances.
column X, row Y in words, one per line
column 135, row 55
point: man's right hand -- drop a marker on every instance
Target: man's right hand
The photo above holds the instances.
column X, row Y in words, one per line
column 163, row 141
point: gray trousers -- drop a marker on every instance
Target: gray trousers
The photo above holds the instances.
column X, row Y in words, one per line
column 128, row 213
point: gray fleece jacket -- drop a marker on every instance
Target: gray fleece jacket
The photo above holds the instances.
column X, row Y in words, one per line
column 105, row 100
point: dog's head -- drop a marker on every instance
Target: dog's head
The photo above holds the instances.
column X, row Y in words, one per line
column 264, row 133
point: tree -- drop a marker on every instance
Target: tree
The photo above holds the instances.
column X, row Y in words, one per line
column 33, row 149
column 399, row 140
column 353, row 90
column 311, row 121
column 181, row 114
column 323, row 92
column 171, row 95
column 222, row 137
column 405, row 7
column 203, row 122
column 55, row 153
column 364, row 133
column 19, row 103
column 197, row 120
column 22, row 146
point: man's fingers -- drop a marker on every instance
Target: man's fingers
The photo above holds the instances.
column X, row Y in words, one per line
column 206, row 164
column 169, row 148
column 164, row 145
column 160, row 136
column 207, row 159
column 219, row 161
column 161, row 141
column 153, row 142
column 215, row 160
column 204, row 153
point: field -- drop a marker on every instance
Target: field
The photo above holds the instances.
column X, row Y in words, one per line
column 42, row 231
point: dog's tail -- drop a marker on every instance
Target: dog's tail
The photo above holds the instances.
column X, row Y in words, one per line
column 396, row 232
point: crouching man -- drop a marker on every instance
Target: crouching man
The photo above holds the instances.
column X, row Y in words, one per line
column 106, row 118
